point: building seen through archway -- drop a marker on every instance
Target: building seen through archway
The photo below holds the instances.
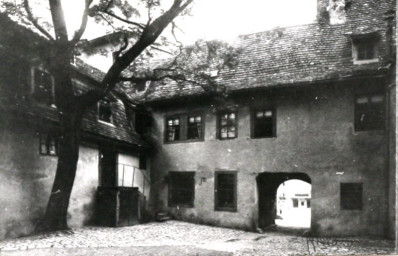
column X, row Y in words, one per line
column 293, row 204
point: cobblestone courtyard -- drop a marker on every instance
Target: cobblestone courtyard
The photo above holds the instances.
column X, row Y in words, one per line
column 180, row 238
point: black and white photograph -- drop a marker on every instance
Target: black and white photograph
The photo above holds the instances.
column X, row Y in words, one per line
column 198, row 127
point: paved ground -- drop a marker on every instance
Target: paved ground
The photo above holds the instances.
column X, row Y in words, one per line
column 180, row 238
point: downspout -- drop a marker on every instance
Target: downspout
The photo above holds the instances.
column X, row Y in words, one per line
column 391, row 162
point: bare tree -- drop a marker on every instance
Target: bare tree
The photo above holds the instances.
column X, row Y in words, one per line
column 185, row 65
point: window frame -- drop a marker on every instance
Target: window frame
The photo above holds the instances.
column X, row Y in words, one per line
column 183, row 127
column 48, row 102
column 369, row 41
column 364, row 127
column 111, row 112
column 253, row 112
column 219, row 127
column 171, row 188
column 46, row 139
column 344, row 202
column 233, row 208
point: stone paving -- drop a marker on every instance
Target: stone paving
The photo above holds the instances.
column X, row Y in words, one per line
column 180, row 238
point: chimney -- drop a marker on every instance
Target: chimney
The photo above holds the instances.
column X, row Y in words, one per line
column 332, row 11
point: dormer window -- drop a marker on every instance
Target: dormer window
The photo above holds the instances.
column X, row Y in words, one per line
column 105, row 111
column 42, row 86
column 141, row 86
column 365, row 48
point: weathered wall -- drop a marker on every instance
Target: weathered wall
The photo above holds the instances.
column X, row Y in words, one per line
column 26, row 178
column 315, row 135
column 81, row 205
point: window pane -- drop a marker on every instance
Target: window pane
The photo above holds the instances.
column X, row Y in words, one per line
column 351, row 196
column 362, row 100
column 42, row 86
column 104, row 111
column 181, row 188
column 369, row 113
column 263, row 127
column 173, row 129
column 194, row 130
column 225, row 191
column 377, row 98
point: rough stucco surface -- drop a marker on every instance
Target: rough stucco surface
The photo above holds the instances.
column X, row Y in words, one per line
column 315, row 136
column 26, row 179
column 81, row 205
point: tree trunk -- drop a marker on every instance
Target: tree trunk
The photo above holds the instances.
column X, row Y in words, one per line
column 55, row 217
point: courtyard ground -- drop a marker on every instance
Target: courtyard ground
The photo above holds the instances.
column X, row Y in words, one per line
column 180, row 238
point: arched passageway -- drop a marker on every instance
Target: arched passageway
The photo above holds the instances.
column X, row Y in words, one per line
column 293, row 204
column 267, row 186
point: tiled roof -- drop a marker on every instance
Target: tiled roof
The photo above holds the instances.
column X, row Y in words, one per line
column 12, row 45
column 300, row 54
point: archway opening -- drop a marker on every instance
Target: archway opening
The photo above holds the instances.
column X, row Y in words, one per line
column 268, row 185
column 293, row 204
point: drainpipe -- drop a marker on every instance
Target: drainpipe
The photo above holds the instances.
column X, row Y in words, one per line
column 391, row 131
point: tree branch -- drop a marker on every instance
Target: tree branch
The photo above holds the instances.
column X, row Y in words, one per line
column 78, row 34
column 148, row 37
column 141, row 26
column 34, row 21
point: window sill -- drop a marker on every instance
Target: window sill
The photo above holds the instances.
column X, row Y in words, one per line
column 270, row 137
column 360, row 62
column 227, row 139
column 106, row 123
column 183, row 141
column 225, row 209
column 181, row 205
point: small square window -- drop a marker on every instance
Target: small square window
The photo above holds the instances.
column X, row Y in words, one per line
column 369, row 112
column 48, row 144
column 141, row 86
column 227, row 125
column 351, row 196
column 225, row 191
column 43, row 86
column 365, row 49
column 263, row 123
column 105, row 111
column 181, row 189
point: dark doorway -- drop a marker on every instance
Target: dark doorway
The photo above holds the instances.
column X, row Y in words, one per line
column 267, row 186
column 107, row 166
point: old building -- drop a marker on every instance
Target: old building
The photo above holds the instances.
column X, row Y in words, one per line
column 112, row 165
column 309, row 102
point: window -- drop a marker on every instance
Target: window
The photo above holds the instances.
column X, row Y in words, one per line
column 351, row 196
column 194, row 127
column 263, row 123
column 181, row 189
column 141, row 86
column 365, row 49
column 369, row 112
column 173, row 129
column 308, row 203
column 48, row 144
column 295, row 203
column 184, row 127
column 43, row 86
column 225, row 191
column 105, row 111
column 142, row 162
column 227, row 125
